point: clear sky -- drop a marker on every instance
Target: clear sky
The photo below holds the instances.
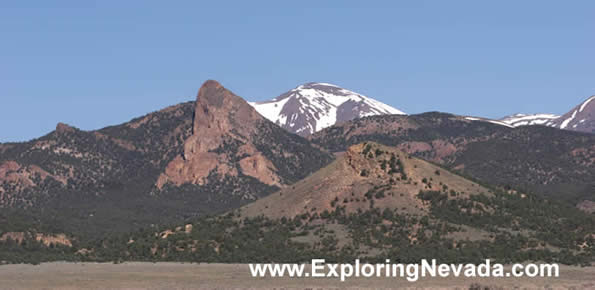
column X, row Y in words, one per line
column 97, row 63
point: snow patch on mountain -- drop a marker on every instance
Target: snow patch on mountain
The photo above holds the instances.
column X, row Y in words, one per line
column 567, row 121
column 586, row 103
column 581, row 118
column 531, row 119
column 312, row 107
column 489, row 120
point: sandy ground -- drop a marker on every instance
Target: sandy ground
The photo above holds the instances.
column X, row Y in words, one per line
column 223, row 276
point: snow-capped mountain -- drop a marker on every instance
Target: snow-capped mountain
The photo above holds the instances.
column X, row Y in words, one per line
column 312, row 107
column 531, row 119
column 581, row 118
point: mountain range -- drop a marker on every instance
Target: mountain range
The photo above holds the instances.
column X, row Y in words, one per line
column 539, row 159
column 312, row 107
column 219, row 179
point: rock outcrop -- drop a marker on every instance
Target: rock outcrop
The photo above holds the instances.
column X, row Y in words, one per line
column 221, row 143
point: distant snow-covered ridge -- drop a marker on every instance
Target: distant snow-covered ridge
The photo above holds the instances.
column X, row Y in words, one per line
column 532, row 119
column 312, row 107
column 581, row 118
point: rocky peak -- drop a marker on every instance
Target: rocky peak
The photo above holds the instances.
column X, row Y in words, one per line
column 62, row 128
column 218, row 111
column 220, row 118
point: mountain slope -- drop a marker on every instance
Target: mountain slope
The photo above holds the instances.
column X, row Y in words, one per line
column 314, row 106
column 156, row 168
column 544, row 160
column 581, row 118
column 371, row 203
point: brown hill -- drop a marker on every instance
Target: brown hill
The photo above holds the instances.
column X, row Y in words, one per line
column 367, row 175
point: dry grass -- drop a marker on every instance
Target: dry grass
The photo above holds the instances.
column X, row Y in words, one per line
column 234, row 276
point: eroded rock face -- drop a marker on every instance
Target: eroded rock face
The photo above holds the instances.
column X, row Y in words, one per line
column 64, row 128
column 258, row 166
column 221, row 143
column 45, row 239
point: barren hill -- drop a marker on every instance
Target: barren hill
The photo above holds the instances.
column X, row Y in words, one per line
column 367, row 175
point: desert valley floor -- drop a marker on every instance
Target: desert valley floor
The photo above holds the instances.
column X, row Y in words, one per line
column 61, row 275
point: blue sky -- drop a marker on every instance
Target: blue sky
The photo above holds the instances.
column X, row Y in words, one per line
column 97, row 63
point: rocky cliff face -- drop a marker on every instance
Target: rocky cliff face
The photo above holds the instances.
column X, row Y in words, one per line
column 220, row 118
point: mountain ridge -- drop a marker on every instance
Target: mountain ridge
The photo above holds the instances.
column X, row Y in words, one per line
column 156, row 167
column 312, row 107
column 581, row 118
column 523, row 157
column 460, row 189
column 519, row 119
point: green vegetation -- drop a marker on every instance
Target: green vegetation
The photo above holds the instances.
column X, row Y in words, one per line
column 294, row 157
column 516, row 227
column 31, row 251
